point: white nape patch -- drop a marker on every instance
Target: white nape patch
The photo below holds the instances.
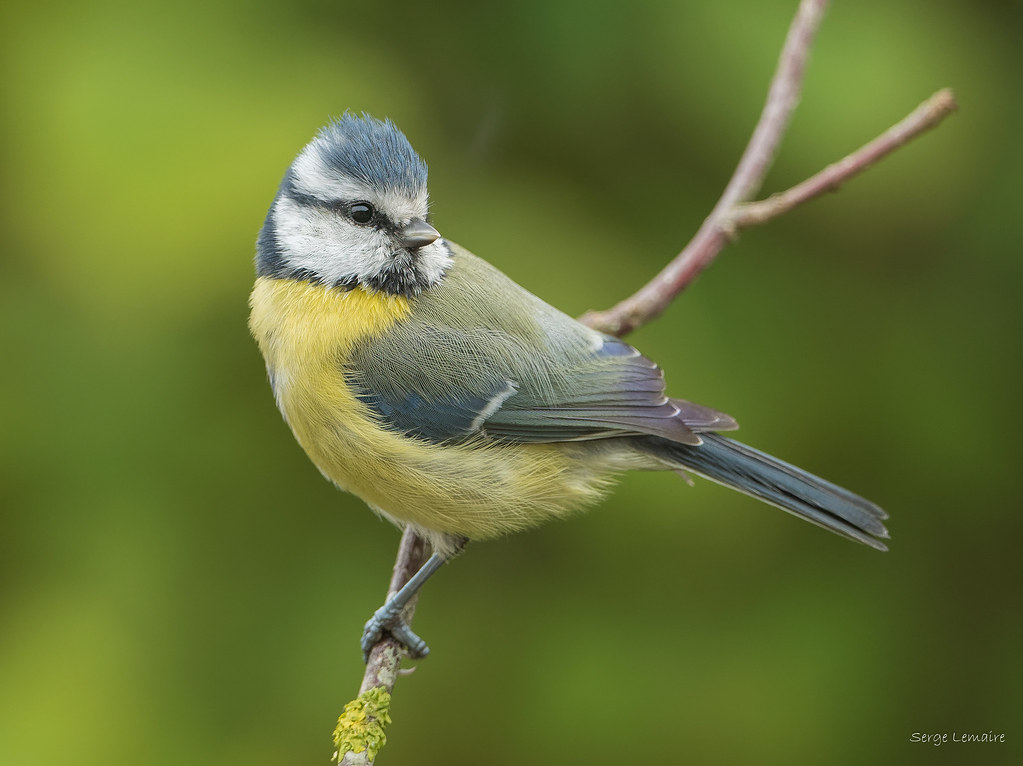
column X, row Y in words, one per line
column 328, row 245
column 493, row 405
column 313, row 177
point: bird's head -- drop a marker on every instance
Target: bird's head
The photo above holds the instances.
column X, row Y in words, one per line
column 352, row 211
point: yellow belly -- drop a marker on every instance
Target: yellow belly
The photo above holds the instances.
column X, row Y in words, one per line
column 476, row 490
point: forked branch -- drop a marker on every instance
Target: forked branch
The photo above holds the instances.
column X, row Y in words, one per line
column 734, row 211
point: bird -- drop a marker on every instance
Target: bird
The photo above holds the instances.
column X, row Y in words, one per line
column 450, row 399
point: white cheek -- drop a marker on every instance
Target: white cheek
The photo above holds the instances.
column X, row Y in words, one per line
column 326, row 244
column 433, row 260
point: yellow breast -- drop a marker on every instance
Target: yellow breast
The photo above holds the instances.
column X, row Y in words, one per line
column 306, row 333
column 478, row 490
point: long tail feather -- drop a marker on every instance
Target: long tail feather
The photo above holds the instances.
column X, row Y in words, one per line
column 792, row 489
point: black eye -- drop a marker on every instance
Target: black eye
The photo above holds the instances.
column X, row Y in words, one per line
column 361, row 212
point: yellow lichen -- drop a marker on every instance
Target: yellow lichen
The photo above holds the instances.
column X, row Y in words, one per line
column 360, row 728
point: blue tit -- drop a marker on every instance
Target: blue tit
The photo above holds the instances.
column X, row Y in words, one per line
column 450, row 399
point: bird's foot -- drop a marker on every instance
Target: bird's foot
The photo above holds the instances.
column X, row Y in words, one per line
column 387, row 619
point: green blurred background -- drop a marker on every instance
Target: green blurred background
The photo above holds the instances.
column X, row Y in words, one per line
column 179, row 585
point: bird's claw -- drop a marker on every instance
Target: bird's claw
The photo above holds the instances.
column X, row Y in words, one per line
column 387, row 619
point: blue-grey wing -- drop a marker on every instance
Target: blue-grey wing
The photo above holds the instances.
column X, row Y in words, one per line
column 480, row 357
column 467, row 392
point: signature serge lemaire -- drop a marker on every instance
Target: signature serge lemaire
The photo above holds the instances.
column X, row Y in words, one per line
column 941, row 738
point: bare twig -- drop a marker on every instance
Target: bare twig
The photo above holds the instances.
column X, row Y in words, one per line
column 651, row 299
column 926, row 116
column 724, row 223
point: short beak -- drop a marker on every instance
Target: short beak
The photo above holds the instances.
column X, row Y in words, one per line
column 418, row 233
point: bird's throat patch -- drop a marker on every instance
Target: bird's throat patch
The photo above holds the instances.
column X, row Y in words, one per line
column 296, row 321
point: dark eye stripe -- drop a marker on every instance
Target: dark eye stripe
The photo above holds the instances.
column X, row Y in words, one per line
column 340, row 207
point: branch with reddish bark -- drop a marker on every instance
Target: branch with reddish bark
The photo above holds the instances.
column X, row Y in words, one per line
column 726, row 220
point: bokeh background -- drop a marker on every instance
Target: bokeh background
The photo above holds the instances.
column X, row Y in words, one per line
column 179, row 585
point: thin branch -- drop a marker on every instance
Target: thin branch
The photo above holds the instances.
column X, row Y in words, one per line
column 782, row 98
column 725, row 222
column 382, row 668
column 654, row 297
column 387, row 654
column 923, row 118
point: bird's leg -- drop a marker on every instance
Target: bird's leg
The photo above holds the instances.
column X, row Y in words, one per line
column 388, row 617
